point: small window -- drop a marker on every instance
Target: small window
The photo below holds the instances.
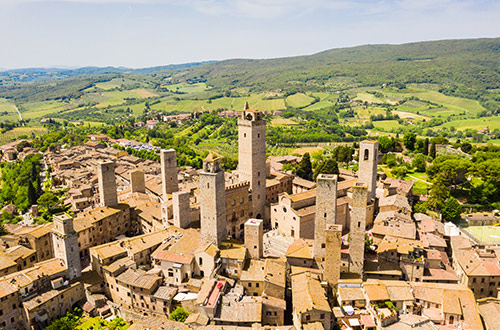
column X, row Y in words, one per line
column 366, row 154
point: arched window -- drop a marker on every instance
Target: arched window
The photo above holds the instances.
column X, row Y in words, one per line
column 366, row 154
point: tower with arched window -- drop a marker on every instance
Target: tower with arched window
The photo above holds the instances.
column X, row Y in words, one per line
column 367, row 173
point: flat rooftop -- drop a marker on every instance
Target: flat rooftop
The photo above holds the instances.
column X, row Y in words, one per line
column 484, row 234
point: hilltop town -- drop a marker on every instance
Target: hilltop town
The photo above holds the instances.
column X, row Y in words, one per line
column 255, row 248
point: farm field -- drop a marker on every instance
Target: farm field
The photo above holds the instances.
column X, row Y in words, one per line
column 299, row 100
column 386, row 124
column 9, row 108
column 474, row 123
column 187, row 88
column 446, row 104
column 15, row 133
column 279, row 121
column 37, row 110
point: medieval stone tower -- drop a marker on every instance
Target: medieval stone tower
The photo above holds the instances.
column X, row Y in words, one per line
column 169, row 182
column 65, row 241
column 326, row 210
column 168, row 172
column 137, row 182
column 254, row 237
column 181, row 208
column 358, row 226
column 107, row 183
column 368, row 154
column 252, row 157
column 212, row 202
column 333, row 239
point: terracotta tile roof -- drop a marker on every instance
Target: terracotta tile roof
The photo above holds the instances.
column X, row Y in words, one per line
column 490, row 312
column 308, row 294
column 303, row 183
column 174, row 257
column 313, row 326
column 376, row 291
column 233, row 250
column 6, row 262
column 109, row 250
column 454, row 299
column 139, row 279
column 351, row 294
column 401, row 245
column 301, row 248
column 165, row 292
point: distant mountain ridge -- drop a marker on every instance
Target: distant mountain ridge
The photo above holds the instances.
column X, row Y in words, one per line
column 61, row 72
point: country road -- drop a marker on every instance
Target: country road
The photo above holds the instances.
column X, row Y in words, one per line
column 414, row 177
column 19, row 112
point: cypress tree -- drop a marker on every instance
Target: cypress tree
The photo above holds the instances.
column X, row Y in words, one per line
column 432, row 152
column 304, row 169
column 426, row 147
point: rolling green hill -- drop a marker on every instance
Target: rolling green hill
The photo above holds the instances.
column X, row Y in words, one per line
column 475, row 62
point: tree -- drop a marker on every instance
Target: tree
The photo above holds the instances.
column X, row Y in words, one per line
column 48, row 200
column 328, row 166
column 432, row 152
column 179, row 315
column 439, row 193
column 426, row 147
column 419, row 163
column 399, row 172
column 409, row 140
column 386, row 144
column 451, row 209
column 304, row 169
column 32, row 195
column 68, row 322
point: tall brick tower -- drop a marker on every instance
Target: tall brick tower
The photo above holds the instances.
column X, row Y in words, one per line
column 137, row 181
column 368, row 154
column 252, row 157
column 326, row 210
column 358, row 227
column 107, row 183
column 331, row 272
column 181, row 208
column 254, row 238
column 169, row 180
column 65, row 241
column 212, row 202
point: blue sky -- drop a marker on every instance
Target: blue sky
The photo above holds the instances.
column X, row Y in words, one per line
column 142, row 33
